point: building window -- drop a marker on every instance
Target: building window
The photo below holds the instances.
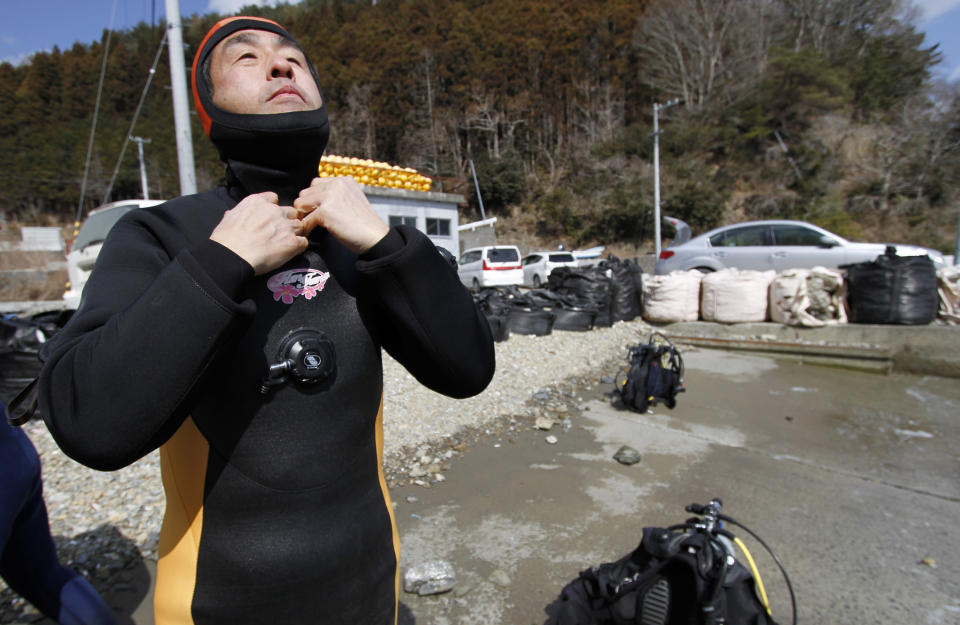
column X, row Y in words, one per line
column 402, row 220
column 438, row 227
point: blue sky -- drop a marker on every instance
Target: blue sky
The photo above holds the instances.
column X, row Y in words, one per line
column 28, row 26
column 939, row 20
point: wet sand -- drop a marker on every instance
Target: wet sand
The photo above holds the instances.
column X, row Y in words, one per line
column 851, row 477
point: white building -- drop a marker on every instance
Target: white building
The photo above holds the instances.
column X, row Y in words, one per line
column 428, row 211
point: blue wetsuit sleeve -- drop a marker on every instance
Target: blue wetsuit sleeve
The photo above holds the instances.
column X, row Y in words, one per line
column 28, row 556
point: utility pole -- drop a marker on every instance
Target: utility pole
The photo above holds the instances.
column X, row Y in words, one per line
column 657, row 107
column 143, row 167
column 476, row 185
column 181, row 112
column 956, row 248
column 786, row 152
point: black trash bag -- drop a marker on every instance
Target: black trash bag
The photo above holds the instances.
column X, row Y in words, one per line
column 573, row 319
column 624, row 294
column 493, row 301
column 496, row 303
column 498, row 327
column 20, row 341
column 524, row 301
column 544, row 299
column 531, row 322
column 893, row 290
column 510, row 291
column 589, row 287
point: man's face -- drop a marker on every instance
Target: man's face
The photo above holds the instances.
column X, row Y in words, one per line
column 259, row 72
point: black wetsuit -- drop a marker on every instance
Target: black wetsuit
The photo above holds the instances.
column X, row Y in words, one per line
column 277, row 509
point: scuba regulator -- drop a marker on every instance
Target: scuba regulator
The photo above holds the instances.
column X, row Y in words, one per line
column 306, row 356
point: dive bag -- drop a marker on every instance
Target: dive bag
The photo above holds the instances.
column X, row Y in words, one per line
column 654, row 375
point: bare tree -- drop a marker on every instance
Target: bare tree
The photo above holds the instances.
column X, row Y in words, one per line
column 452, row 148
column 358, row 117
column 906, row 153
column 832, row 25
column 427, row 67
column 544, row 147
column 599, row 110
column 498, row 124
column 694, row 49
column 420, row 137
column 937, row 125
column 482, row 115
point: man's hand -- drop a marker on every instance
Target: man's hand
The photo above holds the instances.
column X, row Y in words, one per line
column 261, row 232
column 339, row 205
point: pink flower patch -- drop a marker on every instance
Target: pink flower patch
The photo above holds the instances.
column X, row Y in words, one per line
column 288, row 285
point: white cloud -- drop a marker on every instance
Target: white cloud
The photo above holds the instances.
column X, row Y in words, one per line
column 7, row 40
column 229, row 7
column 930, row 9
column 17, row 59
column 954, row 75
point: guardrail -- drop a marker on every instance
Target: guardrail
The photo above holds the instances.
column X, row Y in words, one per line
column 28, row 308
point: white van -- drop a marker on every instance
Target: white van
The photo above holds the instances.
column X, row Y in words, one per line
column 491, row 265
column 85, row 248
column 538, row 265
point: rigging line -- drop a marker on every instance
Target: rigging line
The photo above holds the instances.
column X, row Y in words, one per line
column 96, row 111
column 136, row 115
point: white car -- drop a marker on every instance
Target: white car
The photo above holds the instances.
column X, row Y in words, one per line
column 86, row 246
column 491, row 265
column 777, row 244
column 538, row 265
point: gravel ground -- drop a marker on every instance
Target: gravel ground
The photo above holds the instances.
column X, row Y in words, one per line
column 106, row 523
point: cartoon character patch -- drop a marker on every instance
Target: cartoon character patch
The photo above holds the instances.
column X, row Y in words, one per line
column 287, row 285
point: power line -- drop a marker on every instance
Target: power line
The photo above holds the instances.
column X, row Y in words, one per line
column 136, row 115
column 96, row 112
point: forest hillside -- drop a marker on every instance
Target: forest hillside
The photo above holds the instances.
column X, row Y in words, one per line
column 823, row 110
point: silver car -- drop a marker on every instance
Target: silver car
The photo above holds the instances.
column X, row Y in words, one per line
column 777, row 245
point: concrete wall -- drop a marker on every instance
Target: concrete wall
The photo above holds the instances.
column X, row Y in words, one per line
column 926, row 350
column 35, row 239
column 478, row 234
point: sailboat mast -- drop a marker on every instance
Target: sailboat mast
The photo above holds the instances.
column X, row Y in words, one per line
column 181, row 112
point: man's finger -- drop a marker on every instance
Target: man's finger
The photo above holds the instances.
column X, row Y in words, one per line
column 270, row 196
column 305, row 209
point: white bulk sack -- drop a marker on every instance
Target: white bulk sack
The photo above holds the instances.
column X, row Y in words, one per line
column 948, row 286
column 808, row 297
column 735, row 296
column 672, row 297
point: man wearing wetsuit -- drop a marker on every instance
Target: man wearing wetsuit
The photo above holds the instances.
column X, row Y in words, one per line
column 240, row 331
